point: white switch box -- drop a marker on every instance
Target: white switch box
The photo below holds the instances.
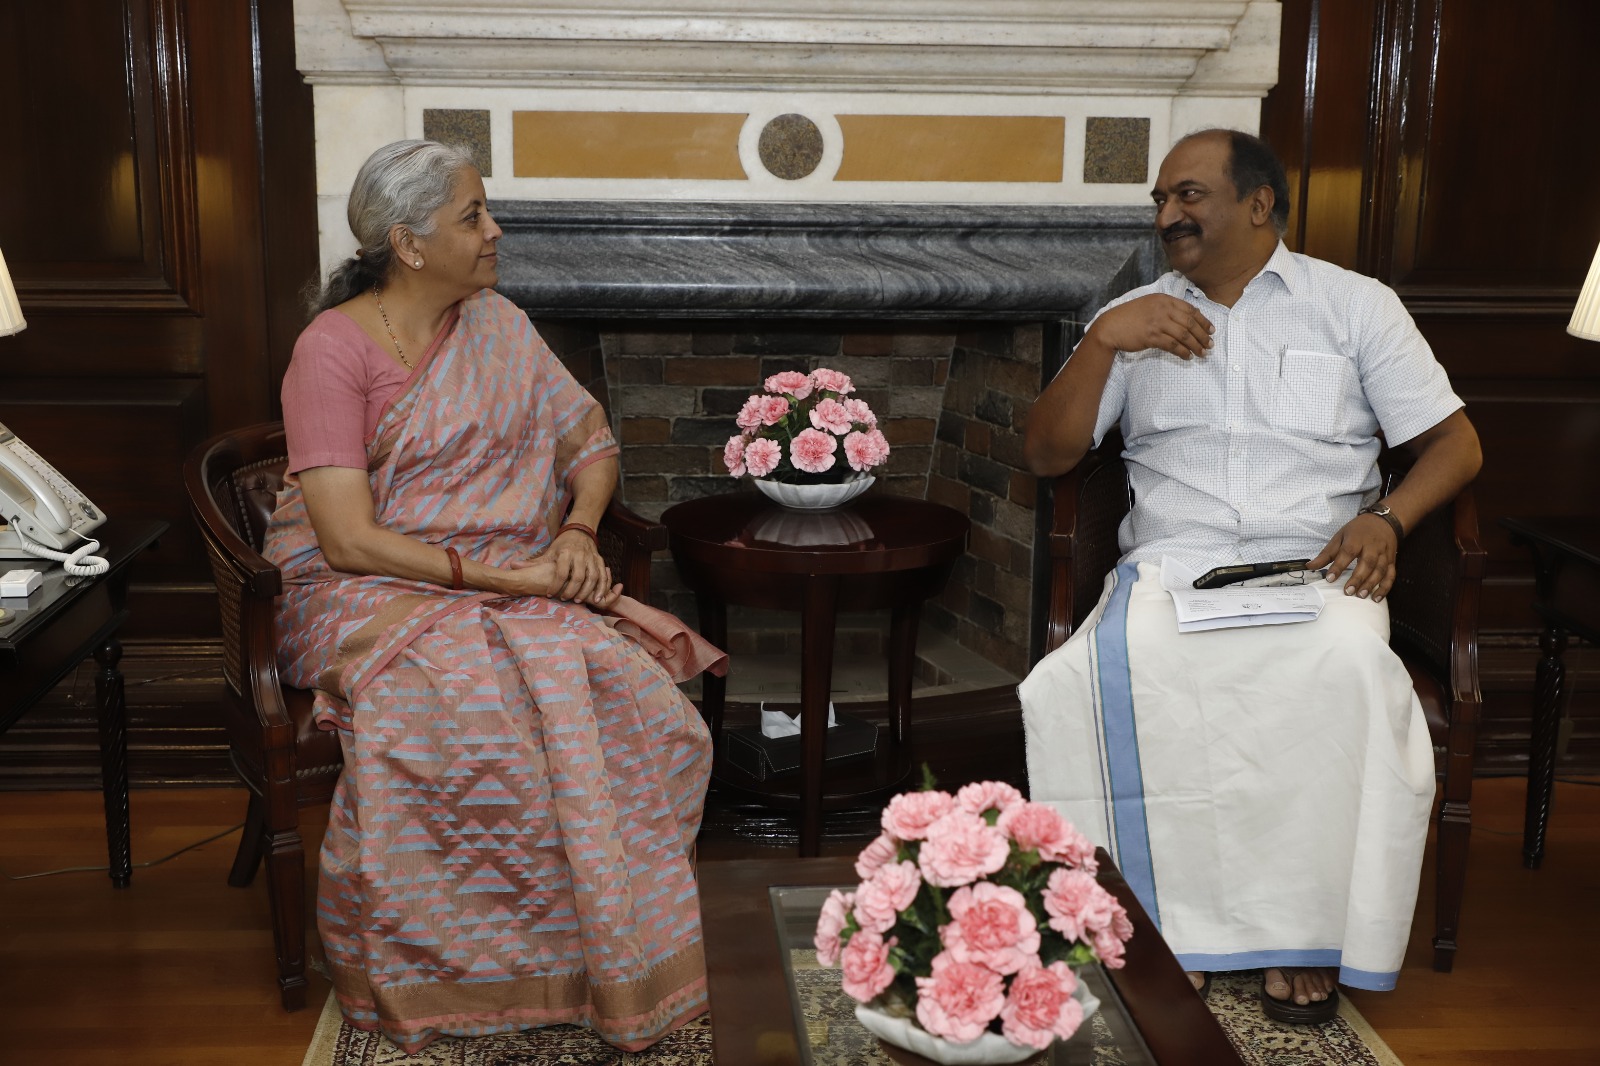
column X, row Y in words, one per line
column 19, row 582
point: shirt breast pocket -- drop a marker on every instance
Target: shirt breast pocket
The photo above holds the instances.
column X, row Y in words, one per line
column 1318, row 394
column 1167, row 393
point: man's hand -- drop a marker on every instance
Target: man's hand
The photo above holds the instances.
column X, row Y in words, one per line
column 1370, row 543
column 1155, row 321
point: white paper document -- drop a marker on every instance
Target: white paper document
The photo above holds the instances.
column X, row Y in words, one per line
column 1232, row 606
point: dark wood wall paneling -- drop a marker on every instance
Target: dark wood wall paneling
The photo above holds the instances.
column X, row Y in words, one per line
column 159, row 219
column 1438, row 145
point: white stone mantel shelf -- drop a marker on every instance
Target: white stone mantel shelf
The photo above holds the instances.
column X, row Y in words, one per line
column 1208, row 47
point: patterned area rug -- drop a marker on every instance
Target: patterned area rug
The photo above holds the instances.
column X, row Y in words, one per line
column 838, row 1041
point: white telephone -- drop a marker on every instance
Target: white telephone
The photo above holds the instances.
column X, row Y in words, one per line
column 42, row 514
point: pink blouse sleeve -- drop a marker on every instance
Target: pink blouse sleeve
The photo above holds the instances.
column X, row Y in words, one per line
column 325, row 395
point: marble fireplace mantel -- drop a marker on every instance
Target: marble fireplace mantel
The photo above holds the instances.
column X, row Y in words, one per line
column 808, row 261
column 1041, row 103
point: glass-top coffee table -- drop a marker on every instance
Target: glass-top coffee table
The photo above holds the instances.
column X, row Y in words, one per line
column 772, row 1005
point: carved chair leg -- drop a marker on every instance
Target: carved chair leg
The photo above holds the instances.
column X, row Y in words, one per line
column 252, row 844
column 1454, row 834
column 286, row 888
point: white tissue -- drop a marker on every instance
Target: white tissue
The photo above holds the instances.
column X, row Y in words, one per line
column 778, row 724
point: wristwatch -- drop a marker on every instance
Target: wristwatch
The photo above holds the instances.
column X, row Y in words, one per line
column 1383, row 512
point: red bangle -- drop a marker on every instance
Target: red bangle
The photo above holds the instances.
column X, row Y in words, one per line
column 455, row 568
column 580, row 527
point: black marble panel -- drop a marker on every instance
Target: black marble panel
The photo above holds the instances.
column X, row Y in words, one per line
column 672, row 260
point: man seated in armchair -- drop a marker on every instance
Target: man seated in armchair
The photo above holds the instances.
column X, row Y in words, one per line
column 1266, row 790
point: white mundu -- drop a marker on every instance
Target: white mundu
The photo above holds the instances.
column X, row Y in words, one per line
column 1266, row 791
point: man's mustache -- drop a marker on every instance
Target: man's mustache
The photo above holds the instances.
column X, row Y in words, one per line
column 1180, row 229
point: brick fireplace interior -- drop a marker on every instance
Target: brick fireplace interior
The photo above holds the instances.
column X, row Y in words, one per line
column 947, row 321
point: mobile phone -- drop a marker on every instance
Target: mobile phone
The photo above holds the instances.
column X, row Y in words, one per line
column 1227, row 575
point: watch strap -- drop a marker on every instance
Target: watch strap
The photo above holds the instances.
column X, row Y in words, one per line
column 1388, row 516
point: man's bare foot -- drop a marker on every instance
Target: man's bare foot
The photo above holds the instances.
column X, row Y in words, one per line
column 1197, row 978
column 1311, row 984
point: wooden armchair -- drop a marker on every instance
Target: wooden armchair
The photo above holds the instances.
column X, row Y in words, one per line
column 276, row 748
column 1433, row 616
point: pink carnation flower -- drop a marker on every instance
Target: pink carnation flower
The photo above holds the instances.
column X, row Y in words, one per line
column 866, row 450
column 831, row 416
column 761, row 456
column 981, row 796
column 891, row 890
column 812, row 451
column 774, row 409
column 1040, row 1007
column 830, row 923
column 749, row 416
column 908, row 815
column 865, row 962
column 733, row 454
column 875, row 854
column 961, row 848
column 825, row 380
column 860, row 412
column 1109, row 947
column 1077, row 905
column 959, row 1000
column 990, row 926
column 789, row 383
column 1040, row 827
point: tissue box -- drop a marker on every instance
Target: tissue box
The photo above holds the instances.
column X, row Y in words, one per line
column 762, row 756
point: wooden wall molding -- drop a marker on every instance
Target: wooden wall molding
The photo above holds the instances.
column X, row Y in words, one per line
column 1434, row 146
column 152, row 167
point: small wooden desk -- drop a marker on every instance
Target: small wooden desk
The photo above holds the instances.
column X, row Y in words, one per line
column 874, row 553
column 44, row 637
column 1566, row 566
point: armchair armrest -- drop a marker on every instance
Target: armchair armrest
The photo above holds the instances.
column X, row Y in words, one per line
column 627, row 542
column 1090, row 502
column 1433, row 607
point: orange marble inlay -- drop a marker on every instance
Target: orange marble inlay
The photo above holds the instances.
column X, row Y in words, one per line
column 952, row 148
column 626, row 144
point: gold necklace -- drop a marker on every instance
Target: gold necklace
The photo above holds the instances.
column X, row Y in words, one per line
column 385, row 316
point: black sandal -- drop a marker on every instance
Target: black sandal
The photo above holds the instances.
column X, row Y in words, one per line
column 1288, row 1011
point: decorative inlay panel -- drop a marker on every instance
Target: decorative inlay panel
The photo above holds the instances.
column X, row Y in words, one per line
column 623, row 144
column 1116, row 150
column 790, row 147
column 464, row 128
column 952, row 148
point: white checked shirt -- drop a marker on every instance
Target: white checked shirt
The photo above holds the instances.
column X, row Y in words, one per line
column 1264, row 447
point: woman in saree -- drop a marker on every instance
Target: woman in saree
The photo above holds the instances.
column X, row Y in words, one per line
column 511, row 841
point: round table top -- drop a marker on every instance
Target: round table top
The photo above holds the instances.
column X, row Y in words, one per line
column 872, row 534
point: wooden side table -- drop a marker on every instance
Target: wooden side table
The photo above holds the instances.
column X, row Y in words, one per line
column 874, row 553
column 1566, row 566
column 44, row 637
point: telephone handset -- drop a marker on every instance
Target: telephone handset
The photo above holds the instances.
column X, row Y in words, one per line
column 42, row 514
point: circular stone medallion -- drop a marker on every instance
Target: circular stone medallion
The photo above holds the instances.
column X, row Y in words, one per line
column 790, row 146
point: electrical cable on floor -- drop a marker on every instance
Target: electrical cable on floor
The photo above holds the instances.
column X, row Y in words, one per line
column 136, row 866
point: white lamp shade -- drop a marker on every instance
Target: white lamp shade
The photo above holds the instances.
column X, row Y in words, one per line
column 1586, row 316
column 11, row 320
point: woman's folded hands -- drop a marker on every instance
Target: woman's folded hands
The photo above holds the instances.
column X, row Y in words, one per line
column 571, row 569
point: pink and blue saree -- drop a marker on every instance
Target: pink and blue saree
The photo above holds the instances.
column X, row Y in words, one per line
column 510, row 844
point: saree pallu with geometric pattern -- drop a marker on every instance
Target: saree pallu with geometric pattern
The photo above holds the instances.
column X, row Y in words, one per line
column 510, row 842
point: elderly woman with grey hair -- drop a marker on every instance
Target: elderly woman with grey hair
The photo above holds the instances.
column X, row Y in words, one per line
column 511, row 842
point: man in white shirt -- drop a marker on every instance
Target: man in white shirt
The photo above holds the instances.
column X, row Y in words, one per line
column 1266, row 790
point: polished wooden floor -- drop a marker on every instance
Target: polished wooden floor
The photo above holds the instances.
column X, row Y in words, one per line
column 177, row 970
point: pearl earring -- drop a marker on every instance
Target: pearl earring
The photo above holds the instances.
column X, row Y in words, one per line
column 417, row 264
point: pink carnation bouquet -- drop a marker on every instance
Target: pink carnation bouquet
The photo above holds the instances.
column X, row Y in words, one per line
column 805, row 429
column 972, row 911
